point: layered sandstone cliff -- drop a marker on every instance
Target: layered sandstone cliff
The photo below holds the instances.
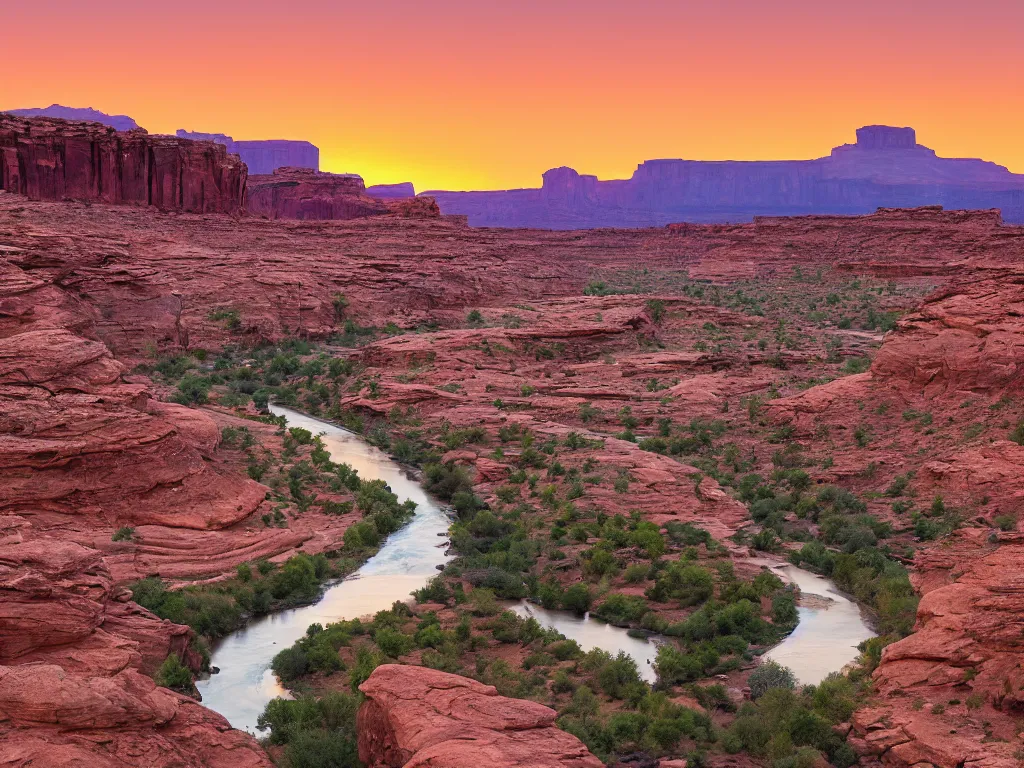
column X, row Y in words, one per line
column 50, row 159
column 951, row 692
column 415, row 716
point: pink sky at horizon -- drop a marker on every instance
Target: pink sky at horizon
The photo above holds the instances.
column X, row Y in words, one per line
column 458, row 95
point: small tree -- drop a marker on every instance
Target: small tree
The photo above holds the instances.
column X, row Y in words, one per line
column 768, row 675
column 125, row 533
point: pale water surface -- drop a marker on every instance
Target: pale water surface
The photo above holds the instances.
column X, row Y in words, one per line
column 829, row 631
column 594, row 633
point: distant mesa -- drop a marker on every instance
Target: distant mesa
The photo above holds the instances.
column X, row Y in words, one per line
column 886, row 137
column 885, row 168
column 266, row 155
column 392, row 191
column 117, row 122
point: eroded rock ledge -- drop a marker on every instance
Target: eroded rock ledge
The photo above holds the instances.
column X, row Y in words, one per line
column 414, row 716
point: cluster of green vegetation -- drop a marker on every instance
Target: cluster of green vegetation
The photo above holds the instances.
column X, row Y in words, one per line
column 213, row 610
column 793, row 728
column 315, row 732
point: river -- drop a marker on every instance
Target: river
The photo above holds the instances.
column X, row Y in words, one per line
column 594, row 633
column 825, row 640
column 831, row 626
column 406, row 561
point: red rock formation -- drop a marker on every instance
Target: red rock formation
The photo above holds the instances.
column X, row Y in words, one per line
column 72, row 657
column 414, row 716
column 965, row 342
column 50, row 159
column 80, row 285
column 299, row 193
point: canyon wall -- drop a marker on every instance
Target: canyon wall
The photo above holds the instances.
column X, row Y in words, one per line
column 885, row 168
column 51, row 159
column 264, row 155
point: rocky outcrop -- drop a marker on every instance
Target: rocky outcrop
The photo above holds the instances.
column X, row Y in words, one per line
column 117, row 122
column 885, row 168
column 886, row 137
column 49, row 159
column 73, row 658
column 415, row 716
column 968, row 338
column 263, row 156
column 300, row 193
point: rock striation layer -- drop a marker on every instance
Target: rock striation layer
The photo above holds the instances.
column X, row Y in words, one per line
column 964, row 663
column 418, row 717
column 886, row 167
column 50, row 159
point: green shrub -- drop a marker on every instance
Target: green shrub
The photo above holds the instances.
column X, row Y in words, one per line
column 392, row 642
column 621, row 609
column 174, row 674
column 577, row 599
column 126, row 533
column 768, row 675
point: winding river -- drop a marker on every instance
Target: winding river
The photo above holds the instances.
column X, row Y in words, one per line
column 825, row 640
column 406, row 561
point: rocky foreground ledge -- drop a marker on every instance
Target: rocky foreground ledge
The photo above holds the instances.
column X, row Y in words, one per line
column 416, row 716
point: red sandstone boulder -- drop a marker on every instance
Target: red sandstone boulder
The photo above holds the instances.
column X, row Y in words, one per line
column 414, row 716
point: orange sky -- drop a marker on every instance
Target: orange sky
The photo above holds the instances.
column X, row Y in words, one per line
column 452, row 94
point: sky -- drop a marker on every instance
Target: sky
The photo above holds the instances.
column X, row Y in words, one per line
column 453, row 94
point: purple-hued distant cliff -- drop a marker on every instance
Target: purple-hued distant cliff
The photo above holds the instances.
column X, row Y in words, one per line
column 392, row 191
column 264, row 156
column 885, row 168
column 117, row 122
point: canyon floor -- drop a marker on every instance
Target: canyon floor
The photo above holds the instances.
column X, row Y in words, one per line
column 626, row 419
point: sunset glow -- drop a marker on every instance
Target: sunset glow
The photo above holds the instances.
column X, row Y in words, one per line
column 462, row 95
